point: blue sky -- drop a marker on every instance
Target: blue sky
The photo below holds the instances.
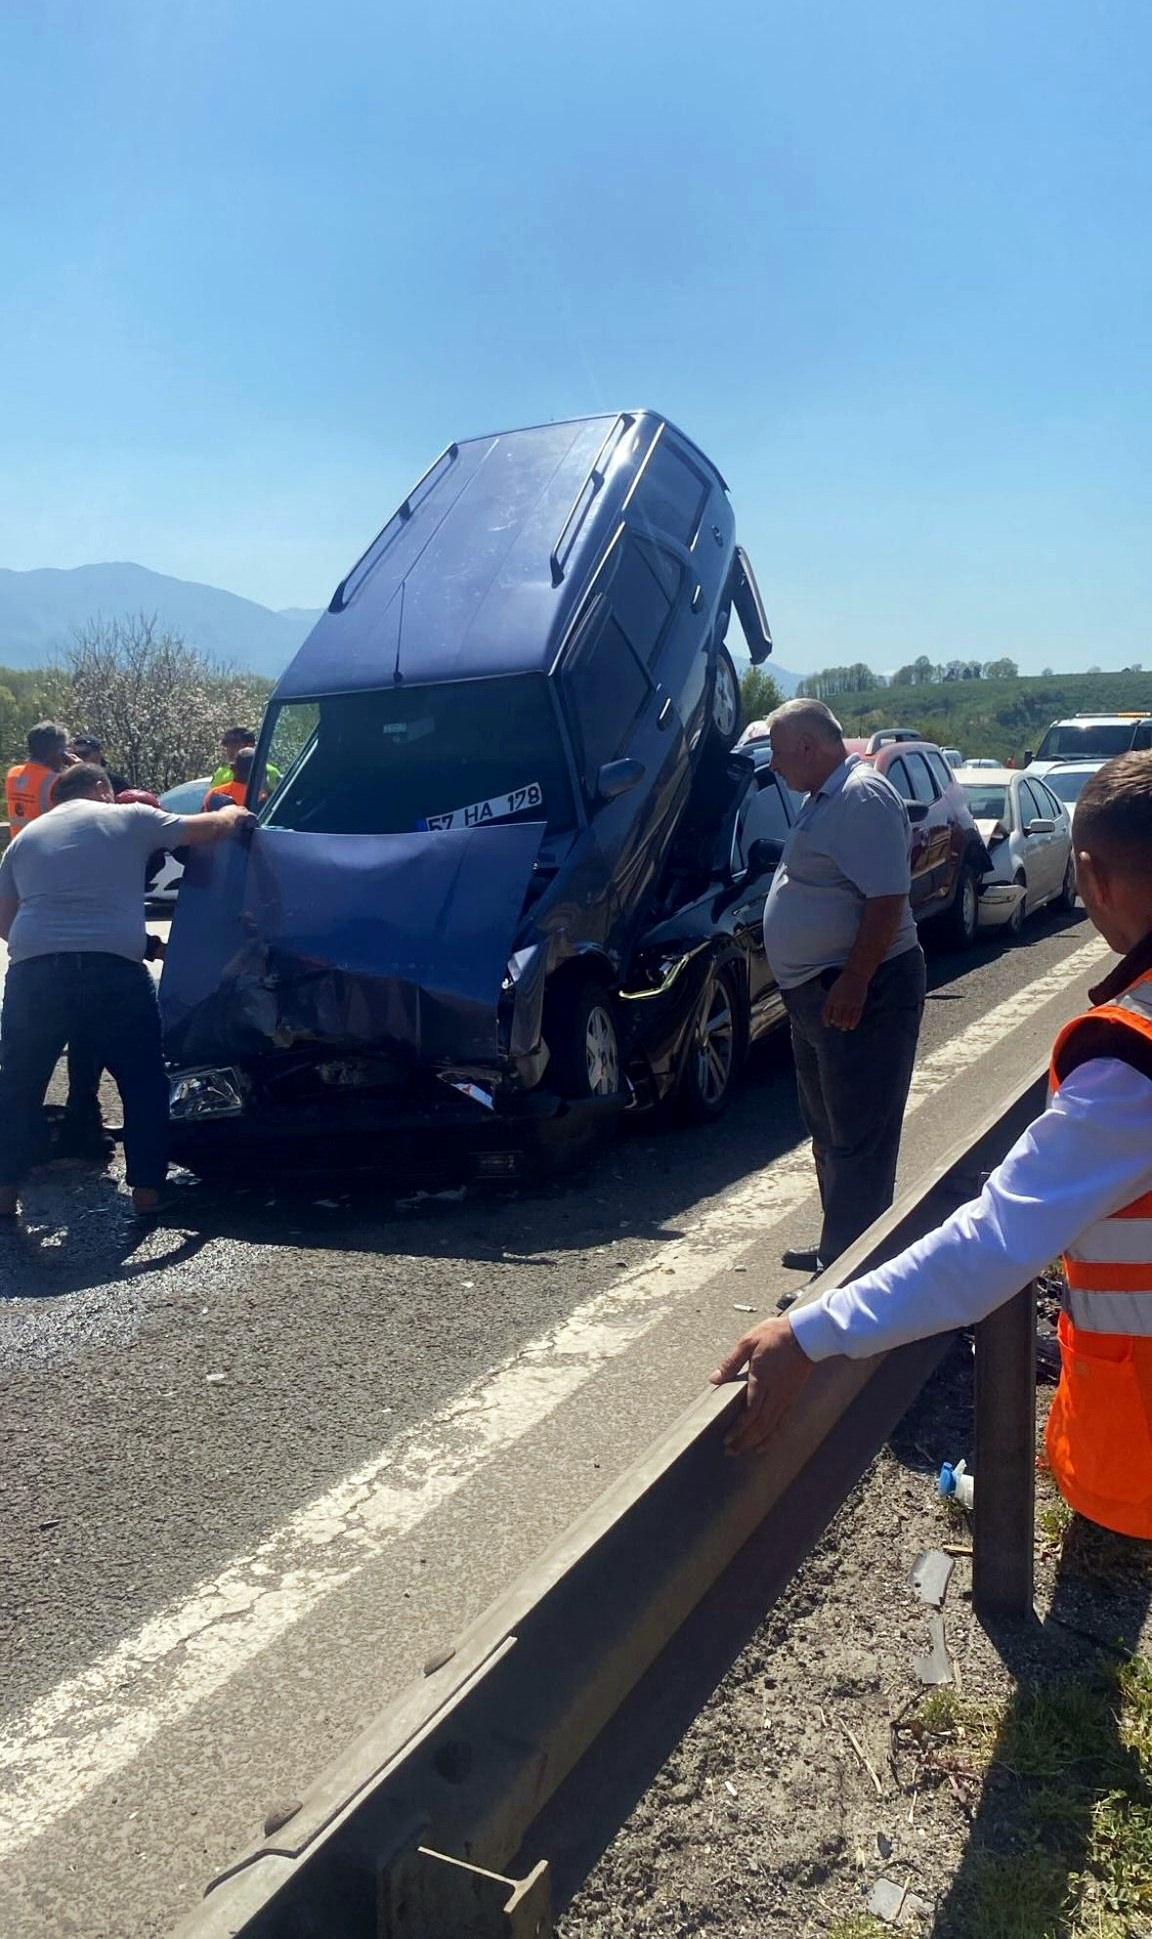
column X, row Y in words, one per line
column 888, row 264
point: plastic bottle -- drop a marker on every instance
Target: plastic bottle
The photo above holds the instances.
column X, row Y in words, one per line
column 956, row 1484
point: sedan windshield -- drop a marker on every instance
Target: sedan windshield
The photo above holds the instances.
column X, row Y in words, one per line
column 403, row 759
column 1068, row 782
column 1098, row 742
column 986, row 802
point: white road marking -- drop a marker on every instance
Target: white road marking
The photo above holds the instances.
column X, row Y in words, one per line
column 95, row 1723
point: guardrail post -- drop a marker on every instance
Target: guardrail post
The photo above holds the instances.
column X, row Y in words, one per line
column 1004, row 1504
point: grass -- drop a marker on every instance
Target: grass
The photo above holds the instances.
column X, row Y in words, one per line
column 1062, row 1847
column 858, row 1925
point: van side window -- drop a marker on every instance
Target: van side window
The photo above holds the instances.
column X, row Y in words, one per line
column 671, row 494
column 643, row 592
column 605, row 688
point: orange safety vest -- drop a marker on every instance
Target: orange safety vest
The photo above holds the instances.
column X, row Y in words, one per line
column 29, row 792
column 1100, row 1429
column 236, row 791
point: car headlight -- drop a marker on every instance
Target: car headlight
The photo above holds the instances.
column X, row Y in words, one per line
column 194, row 1094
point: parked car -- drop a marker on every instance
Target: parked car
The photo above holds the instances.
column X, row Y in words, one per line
column 1068, row 783
column 187, row 799
column 488, row 744
column 1090, row 737
column 953, row 756
column 949, row 858
column 1028, row 833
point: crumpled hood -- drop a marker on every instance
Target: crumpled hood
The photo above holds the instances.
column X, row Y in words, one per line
column 398, row 942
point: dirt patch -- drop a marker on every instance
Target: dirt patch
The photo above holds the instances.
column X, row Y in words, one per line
column 823, row 1766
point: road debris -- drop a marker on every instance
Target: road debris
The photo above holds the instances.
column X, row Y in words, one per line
column 896, row 1904
column 936, row 1667
column 931, row 1573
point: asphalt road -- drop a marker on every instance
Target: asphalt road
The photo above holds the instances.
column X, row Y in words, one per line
column 264, row 1460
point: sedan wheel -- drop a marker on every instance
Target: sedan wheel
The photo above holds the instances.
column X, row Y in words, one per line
column 715, row 1048
column 1066, row 900
column 601, row 1052
column 1015, row 923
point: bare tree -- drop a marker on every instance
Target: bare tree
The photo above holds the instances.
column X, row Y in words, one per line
column 158, row 705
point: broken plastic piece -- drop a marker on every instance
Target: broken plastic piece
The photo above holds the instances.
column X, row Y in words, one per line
column 956, row 1484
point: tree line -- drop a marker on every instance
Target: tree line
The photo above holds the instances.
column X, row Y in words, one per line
column 921, row 672
column 158, row 704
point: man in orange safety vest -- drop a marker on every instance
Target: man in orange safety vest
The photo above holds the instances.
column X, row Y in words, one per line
column 1078, row 1183
column 29, row 785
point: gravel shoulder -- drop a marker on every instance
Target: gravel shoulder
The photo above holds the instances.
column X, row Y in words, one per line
column 823, row 1765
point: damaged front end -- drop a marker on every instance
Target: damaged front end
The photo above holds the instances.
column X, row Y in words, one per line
column 352, row 986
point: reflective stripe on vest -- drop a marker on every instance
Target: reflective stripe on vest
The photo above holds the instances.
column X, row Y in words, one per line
column 1109, row 1269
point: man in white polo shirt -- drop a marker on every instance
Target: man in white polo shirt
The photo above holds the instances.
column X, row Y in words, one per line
column 72, row 914
column 841, row 941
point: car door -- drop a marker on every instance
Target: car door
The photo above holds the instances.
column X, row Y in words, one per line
column 922, row 893
column 764, row 815
column 1062, row 839
column 938, row 823
column 616, row 711
column 1044, row 862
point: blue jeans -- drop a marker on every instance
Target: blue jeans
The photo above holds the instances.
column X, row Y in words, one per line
column 105, row 1009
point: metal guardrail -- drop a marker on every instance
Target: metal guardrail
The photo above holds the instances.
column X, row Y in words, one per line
column 410, row 1833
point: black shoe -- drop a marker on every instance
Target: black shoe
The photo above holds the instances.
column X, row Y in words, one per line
column 801, row 1259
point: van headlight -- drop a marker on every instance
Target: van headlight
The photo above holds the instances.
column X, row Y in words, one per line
column 194, row 1094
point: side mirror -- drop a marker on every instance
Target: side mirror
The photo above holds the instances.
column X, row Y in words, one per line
column 764, row 854
column 917, row 811
column 619, row 777
column 1043, row 825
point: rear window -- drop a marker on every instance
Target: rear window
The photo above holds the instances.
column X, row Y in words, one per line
column 1069, row 783
column 1069, row 741
column 402, row 759
column 671, row 494
column 986, row 802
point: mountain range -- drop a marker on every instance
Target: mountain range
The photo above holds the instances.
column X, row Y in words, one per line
column 40, row 611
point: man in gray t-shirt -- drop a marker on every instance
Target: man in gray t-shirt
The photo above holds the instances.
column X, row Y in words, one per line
column 841, row 941
column 72, row 914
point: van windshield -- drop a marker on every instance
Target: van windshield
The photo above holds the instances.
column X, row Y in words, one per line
column 1092, row 741
column 401, row 759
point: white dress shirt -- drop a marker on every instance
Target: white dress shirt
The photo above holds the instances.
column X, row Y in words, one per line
column 1088, row 1154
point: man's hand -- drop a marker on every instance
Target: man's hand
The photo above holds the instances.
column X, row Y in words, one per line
column 237, row 820
column 844, row 1003
column 203, row 830
column 777, row 1370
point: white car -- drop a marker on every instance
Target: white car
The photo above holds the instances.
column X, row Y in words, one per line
column 953, row 756
column 1068, row 783
column 187, row 799
column 1027, row 831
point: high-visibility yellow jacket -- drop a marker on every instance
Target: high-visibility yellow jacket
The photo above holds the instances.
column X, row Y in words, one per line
column 1100, row 1428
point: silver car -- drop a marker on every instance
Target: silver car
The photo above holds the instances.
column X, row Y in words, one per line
column 187, row 799
column 1028, row 833
column 1068, row 783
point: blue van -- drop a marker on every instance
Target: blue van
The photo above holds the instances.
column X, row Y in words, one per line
column 511, row 699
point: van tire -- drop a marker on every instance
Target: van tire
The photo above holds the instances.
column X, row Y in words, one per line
column 582, row 1031
column 726, row 709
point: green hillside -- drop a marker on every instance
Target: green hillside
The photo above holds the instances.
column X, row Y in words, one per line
column 991, row 717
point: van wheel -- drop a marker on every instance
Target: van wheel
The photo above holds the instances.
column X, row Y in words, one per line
column 583, row 1039
column 714, row 1052
column 958, row 923
column 1066, row 900
column 727, row 708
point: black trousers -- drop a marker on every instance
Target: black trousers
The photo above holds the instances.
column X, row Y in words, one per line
column 105, row 1009
column 853, row 1086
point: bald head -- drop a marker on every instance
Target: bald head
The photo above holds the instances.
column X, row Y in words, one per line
column 807, row 743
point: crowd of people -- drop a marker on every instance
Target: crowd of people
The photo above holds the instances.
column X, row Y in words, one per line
column 83, row 847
